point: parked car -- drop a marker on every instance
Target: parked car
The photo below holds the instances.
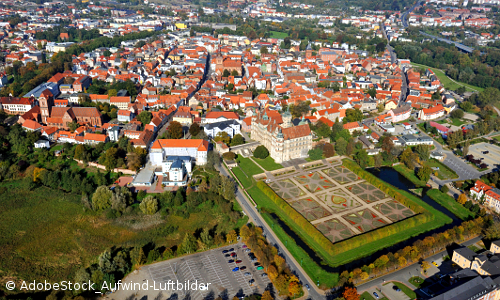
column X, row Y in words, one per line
column 225, row 251
column 233, row 254
column 486, row 152
column 239, row 261
column 257, row 264
column 244, row 246
column 263, row 275
column 243, row 268
column 375, row 294
column 230, row 261
column 248, row 274
column 434, row 263
column 227, row 255
column 247, row 250
column 251, row 281
column 308, row 287
column 236, row 269
column 394, row 287
column 231, row 250
column 260, row 268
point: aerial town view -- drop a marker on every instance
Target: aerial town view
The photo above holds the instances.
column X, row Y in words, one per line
column 249, row 149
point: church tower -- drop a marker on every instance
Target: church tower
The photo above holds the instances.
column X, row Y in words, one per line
column 46, row 101
column 287, row 119
column 309, row 51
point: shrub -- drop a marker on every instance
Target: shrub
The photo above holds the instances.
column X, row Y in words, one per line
column 444, row 189
column 229, row 156
column 261, row 152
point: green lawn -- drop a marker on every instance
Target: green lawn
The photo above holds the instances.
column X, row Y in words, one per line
column 47, row 234
column 268, row 163
column 249, row 166
column 409, row 292
column 496, row 137
column 457, row 122
column 449, row 203
column 444, row 172
column 368, row 296
column 56, row 148
column 410, row 175
column 278, row 35
column 244, row 178
column 447, row 82
column 416, row 281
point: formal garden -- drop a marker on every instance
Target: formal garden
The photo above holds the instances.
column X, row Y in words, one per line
column 341, row 211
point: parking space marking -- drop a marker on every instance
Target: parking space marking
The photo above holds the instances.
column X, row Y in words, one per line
column 167, row 274
column 192, row 274
column 215, row 268
column 242, row 281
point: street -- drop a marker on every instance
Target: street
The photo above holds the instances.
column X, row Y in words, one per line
column 403, row 275
column 251, row 211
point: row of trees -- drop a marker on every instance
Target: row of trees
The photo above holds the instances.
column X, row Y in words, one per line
column 417, row 251
column 279, row 273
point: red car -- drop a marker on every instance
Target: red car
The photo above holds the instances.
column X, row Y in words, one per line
column 238, row 261
column 233, row 254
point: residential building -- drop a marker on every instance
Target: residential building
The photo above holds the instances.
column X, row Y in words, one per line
column 431, row 113
column 230, row 127
column 413, row 140
column 16, row 106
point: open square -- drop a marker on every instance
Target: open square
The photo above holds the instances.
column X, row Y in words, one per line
column 364, row 220
column 334, row 230
column 314, row 182
column 339, row 200
column 367, row 192
column 310, row 209
column 286, row 189
column 341, row 174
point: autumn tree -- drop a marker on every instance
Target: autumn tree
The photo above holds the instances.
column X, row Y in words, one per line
column 175, row 130
column 294, row 288
column 424, row 173
column 144, row 117
column 231, row 236
column 462, row 198
column 267, row 296
column 194, row 129
column 222, row 136
column 350, row 293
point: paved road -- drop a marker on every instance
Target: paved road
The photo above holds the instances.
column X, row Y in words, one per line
column 404, row 16
column 252, row 213
column 406, row 273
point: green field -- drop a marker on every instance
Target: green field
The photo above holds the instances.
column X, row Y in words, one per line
column 47, row 234
column 450, row 204
column 244, row 178
column 447, row 82
column 248, row 165
column 444, row 172
column 496, row 137
column 313, row 269
column 268, row 163
column 278, row 35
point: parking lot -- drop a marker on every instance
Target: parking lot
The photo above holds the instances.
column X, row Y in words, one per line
column 492, row 159
column 212, row 267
